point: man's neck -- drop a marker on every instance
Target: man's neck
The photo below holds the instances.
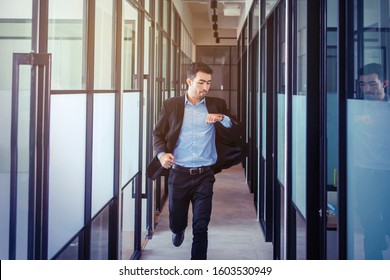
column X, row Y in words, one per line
column 193, row 100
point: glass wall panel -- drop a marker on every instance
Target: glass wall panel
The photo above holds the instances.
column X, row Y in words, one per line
column 281, row 92
column 299, row 106
column 67, row 44
column 332, row 127
column 130, row 136
column 255, row 19
column 262, row 192
column 103, row 150
column 71, row 252
column 148, row 47
column 165, row 66
column 99, row 236
column 368, row 134
column 15, row 37
column 127, row 223
column 67, row 169
column 166, row 14
column 299, row 113
column 104, row 44
column 301, row 237
column 269, row 5
column 147, row 5
column 23, row 153
column 281, row 121
column 130, row 53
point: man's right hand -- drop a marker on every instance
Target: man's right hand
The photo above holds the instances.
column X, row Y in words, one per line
column 166, row 160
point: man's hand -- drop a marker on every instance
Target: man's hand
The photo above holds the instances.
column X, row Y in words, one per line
column 166, row 160
column 213, row 118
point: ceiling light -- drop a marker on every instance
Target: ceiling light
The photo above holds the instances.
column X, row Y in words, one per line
column 215, row 26
column 213, row 4
column 215, row 34
column 214, row 18
column 231, row 10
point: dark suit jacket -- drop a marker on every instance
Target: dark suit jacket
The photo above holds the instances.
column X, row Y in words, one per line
column 166, row 133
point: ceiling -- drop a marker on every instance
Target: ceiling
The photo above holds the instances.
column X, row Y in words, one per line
column 228, row 12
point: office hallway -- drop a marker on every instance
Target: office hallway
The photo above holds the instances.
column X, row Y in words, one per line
column 234, row 232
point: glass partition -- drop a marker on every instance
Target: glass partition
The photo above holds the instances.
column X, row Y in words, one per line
column 299, row 109
column 262, row 192
column 67, row 44
column 130, row 136
column 104, row 44
column 332, row 127
column 15, row 37
column 368, row 134
column 281, row 121
column 67, row 169
column 130, row 53
column 103, row 150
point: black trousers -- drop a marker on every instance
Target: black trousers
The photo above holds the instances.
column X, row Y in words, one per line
column 184, row 188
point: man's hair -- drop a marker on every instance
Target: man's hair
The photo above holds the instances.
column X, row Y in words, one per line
column 196, row 67
column 372, row 68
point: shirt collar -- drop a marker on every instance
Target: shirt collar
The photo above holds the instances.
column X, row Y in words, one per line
column 188, row 102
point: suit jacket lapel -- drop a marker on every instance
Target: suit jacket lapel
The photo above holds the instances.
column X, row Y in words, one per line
column 177, row 121
column 211, row 106
column 179, row 110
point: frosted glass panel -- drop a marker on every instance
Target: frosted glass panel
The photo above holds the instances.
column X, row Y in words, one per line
column 368, row 177
column 299, row 153
column 103, row 150
column 67, row 169
column 130, row 136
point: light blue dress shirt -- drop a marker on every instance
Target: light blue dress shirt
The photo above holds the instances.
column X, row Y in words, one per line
column 196, row 144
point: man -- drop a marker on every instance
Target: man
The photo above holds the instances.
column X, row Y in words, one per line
column 372, row 160
column 372, row 83
column 194, row 138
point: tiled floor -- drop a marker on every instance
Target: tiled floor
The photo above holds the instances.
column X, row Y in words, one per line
column 234, row 232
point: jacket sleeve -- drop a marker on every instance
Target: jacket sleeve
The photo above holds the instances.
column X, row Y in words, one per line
column 154, row 169
column 230, row 143
column 160, row 132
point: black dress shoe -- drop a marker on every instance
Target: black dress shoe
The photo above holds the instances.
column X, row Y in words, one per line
column 177, row 238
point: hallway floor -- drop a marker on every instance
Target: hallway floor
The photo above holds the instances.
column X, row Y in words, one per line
column 234, row 231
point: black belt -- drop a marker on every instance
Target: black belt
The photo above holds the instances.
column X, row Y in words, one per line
column 191, row 170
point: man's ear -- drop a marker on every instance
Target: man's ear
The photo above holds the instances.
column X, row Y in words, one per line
column 385, row 83
column 189, row 81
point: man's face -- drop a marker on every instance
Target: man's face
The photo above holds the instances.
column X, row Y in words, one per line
column 372, row 87
column 199, row 86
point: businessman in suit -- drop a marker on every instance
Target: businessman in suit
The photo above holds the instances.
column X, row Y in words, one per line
column 194, row 138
